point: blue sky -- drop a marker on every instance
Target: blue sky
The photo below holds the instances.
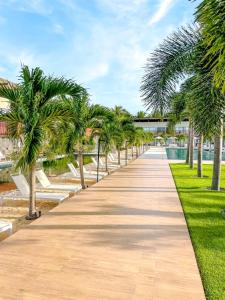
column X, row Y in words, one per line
column 102, row 44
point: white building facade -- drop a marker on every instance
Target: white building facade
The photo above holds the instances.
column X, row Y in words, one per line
column 6, row 145
column 158, row 126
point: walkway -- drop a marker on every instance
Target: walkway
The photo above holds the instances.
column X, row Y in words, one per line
column 124, row 238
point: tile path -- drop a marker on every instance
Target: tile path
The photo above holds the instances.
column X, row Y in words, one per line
column 124, row 238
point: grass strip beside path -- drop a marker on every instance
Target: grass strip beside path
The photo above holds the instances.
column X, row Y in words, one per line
column 206, row 224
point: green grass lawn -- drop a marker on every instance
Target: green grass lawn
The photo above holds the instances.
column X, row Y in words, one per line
column 202, row 209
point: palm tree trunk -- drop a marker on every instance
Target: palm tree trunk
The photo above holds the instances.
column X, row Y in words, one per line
column 126, row 155
column 32, row 214
column 118, row 151
column 136, row 151
column 81, row 164
column 218, row 141
column 191, row 162
column 106, row 162
column 188, row 144
column 132, row 151
column 200, row 149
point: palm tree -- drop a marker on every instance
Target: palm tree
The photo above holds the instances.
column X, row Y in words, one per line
column 180, row 138
column 34, row 110
column 139, row 138
column 211, row 17
column 121, row 119
column 129, row 132
column 106, row 132
column 141, row 114
column 178, row 112
column 148, row 137
column 107, row 145
column 200, row 151
column 178, row 57
column 208, row 113
column 83, row 116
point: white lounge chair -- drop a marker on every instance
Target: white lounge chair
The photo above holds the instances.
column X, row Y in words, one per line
column 110, row 165
column 5, row 226
column 76, row 174
column 101, row 164
column 113, row 159
column 46, row 184
column 92, row 172
column 2, row 156
column 24, row 191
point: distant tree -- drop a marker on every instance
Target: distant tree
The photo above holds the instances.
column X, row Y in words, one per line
column 141, row 114
column 83, row 116
column 121, row 118
column 156, row 114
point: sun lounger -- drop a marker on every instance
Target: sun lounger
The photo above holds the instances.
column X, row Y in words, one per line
column 110, row 165
column 101, row 164
column 24, row 191
column 5, row 226
column 113, row 159
column 76, row 174
column 93, row 172
column 46, row 184
column 2, row 156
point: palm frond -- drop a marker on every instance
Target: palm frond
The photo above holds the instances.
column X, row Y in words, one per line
column 10, row 92
column 207, row 106
column 167, row 66
column 211, row 16
column 60, row 86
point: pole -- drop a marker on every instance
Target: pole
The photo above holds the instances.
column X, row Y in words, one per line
column 126, row 153
column 98, row 159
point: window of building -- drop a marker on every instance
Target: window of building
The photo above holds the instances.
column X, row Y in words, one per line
column 152, row 129
column 161, row 129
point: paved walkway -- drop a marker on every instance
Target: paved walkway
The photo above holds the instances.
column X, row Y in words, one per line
column 124, row 238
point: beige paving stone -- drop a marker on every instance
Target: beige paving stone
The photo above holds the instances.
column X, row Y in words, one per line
column 125, row 238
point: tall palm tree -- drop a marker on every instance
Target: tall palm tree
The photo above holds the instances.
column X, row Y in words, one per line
column 180, row 138
column 139, row 138
column 83, row 116
column 106, row 132
column 34, row 110
column 129, row 132
column 149, row 137
column 208, row 113
column 121, row 118
column 178, row 112
column 179, row 56
column 211, row 17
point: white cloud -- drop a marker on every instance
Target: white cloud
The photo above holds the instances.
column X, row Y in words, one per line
column 97, row 71
column 23, row 57
column 14, row 58
column 104, row 47
column 58, row 28
column 163, row 7
column 34, row 6
column 121, row 7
